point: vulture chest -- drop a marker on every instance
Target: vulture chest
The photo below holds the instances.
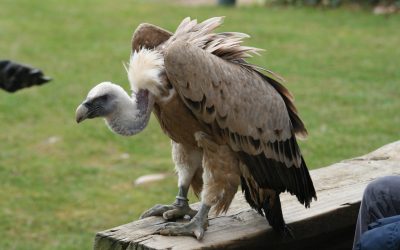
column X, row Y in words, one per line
column 177, row 121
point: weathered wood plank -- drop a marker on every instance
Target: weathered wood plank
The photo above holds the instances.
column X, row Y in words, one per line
column 339, row 189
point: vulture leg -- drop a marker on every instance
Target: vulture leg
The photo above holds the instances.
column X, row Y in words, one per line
column 196, row 227
column 187, row 163
column 221, row 178
column 177, row 210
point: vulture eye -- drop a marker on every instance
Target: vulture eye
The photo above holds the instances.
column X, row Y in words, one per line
column 103, row 98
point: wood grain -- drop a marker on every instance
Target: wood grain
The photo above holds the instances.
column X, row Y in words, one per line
column 339, row 189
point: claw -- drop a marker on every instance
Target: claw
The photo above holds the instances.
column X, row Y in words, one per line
column 193, row 228
column 157, row 210
column 179, row 212
column 199, row 234
column 169, row 212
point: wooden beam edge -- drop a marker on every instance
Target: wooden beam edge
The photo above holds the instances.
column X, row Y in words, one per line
column 384, row 161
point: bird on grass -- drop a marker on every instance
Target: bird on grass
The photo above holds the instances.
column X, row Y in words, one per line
column 231, row 123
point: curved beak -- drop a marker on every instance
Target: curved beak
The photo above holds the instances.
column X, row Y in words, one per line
column 81, row 113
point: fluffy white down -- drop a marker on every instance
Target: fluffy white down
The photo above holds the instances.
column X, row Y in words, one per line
column 144, row 69
column 105, row 88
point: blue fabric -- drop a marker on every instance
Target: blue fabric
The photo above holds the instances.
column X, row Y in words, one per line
column 384, row 234
column 384, row 221
column 381, row 199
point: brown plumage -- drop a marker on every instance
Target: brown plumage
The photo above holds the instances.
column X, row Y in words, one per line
column 230, row 122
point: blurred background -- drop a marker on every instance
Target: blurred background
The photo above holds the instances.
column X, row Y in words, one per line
column 60, row 183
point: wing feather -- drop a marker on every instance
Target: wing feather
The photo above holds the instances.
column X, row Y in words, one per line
column 149, row 36
column 245, row 110
column 231, row 95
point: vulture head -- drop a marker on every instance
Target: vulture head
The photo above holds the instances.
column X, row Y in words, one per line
column 124, row 114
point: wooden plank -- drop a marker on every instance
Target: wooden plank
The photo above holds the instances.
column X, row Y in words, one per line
column 339, row 189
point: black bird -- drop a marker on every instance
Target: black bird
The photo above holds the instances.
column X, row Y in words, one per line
column 15, row 76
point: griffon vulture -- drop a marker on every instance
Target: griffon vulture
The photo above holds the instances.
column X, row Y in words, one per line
column 230, row 124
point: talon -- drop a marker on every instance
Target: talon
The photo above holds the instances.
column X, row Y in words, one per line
column 194, row 228
column 169, row 215
column 162, row 229
column 179, row 212
column 157, row 210
column 169, row 212
column 199, row 234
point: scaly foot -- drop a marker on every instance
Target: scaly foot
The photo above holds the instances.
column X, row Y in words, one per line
column 177, row 210
column 194, row 228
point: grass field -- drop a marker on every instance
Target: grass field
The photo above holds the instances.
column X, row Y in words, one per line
column 60, row 182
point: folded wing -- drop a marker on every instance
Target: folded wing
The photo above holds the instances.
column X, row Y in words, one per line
column 249, row 111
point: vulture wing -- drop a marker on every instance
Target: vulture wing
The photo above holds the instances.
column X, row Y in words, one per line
column 149, row 36
column 249, row 111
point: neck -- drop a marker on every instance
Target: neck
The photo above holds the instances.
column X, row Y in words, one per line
column 132, row 114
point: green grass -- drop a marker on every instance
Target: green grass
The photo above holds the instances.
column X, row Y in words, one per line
column 341, row 65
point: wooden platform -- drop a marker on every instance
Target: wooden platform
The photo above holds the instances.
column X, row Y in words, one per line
column 332, row 217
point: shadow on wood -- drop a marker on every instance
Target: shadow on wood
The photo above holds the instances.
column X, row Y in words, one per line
column 329, row 223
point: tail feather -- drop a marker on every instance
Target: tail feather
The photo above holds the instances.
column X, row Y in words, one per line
column 273, row 213
column 267, row 204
